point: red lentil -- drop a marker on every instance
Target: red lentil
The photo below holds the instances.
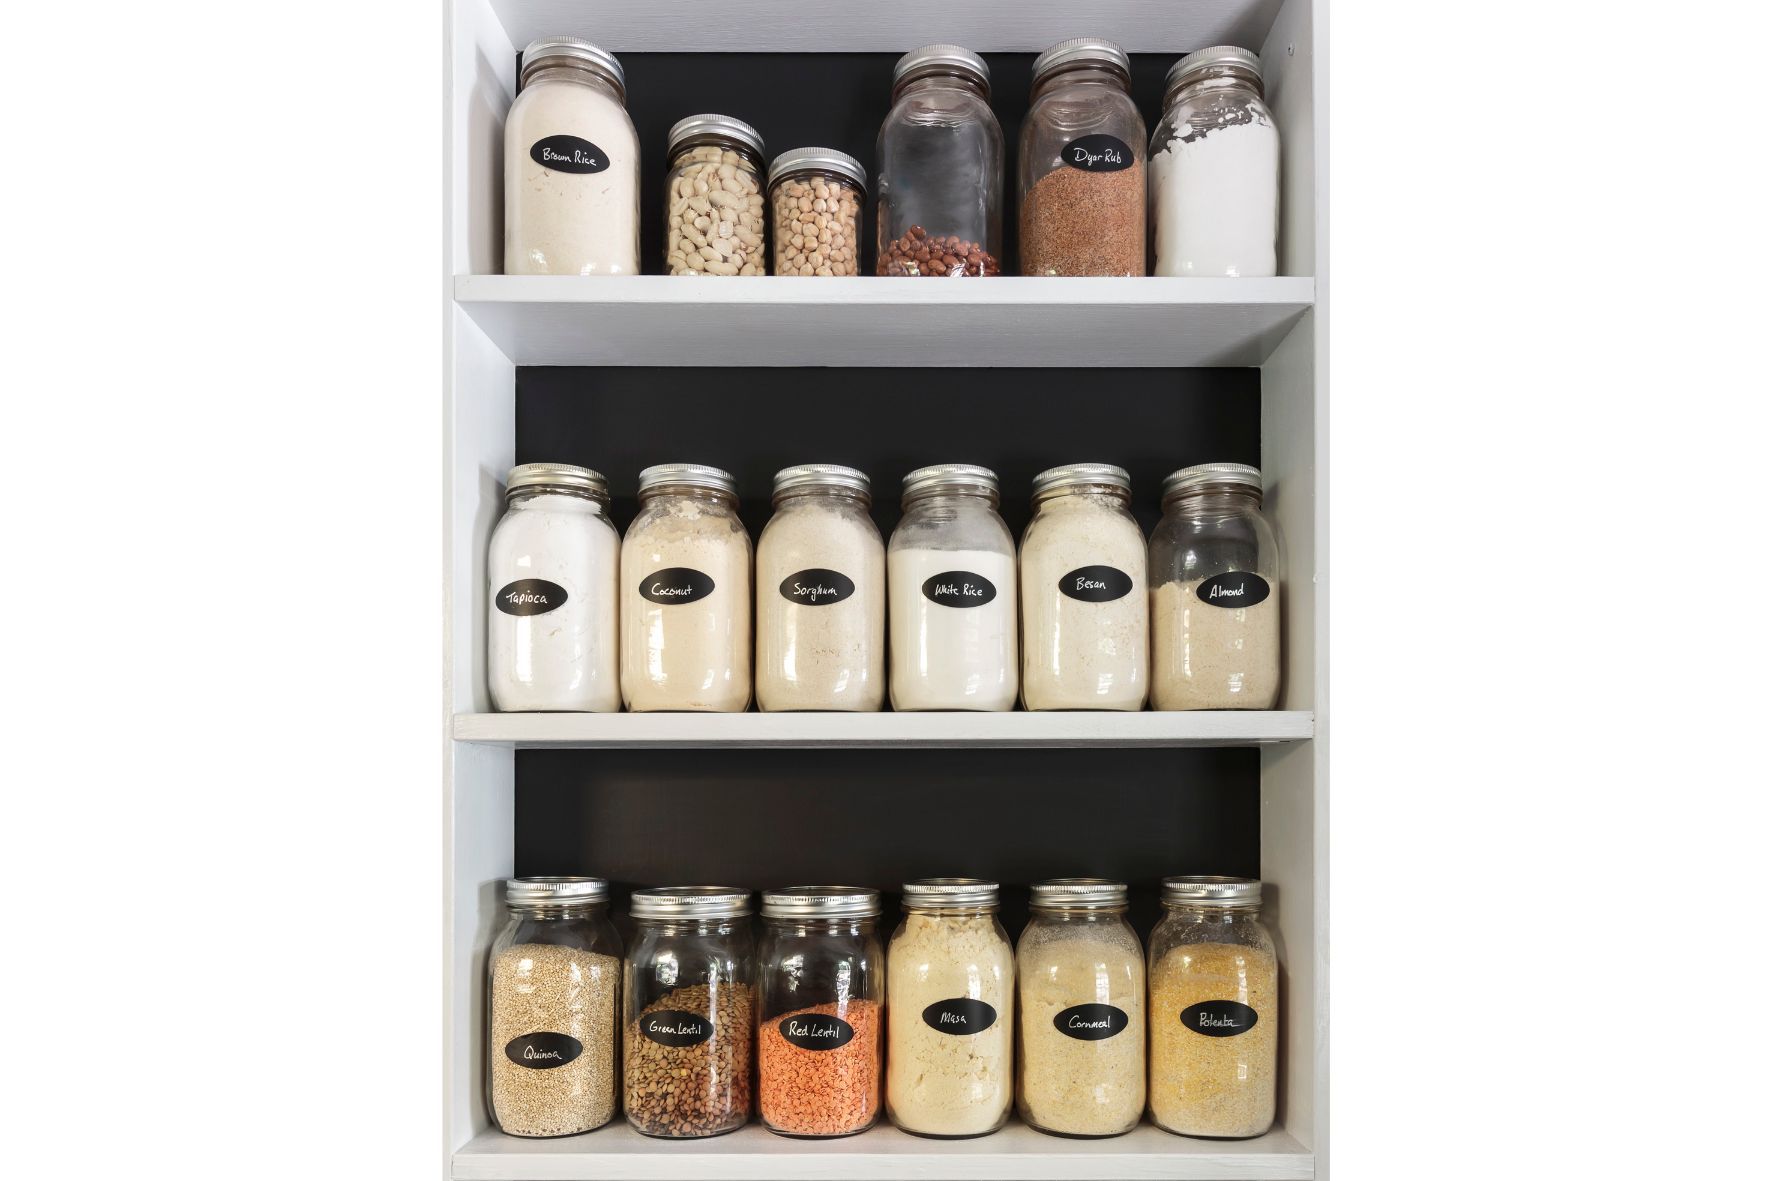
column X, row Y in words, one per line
column 821, row 1092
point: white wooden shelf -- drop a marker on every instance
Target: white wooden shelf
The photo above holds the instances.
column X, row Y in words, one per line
column 617, row 1152
column 871, row 321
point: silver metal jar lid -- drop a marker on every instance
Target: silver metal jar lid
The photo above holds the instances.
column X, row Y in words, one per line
column 1079, row 50
column 1064, row 893
column 556, row 475
column 1229, row 59
column 690, row 902
column 562, row 891
column 577, row 51
column 941, row 59
column 817, row 160
column 1071, row 474
column 1203, row 474
column 950, row 893
column 695, row 475
column 1197, row 890
column 722, row 125
column 821, row 475
column 959, row 476
column 821, row 902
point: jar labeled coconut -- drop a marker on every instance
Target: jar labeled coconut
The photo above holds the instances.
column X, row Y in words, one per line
column 815, row 198
column 821, row 594
column 1082, row 164
column 686, row 594
column 1084, row 607
column 822, row 998
column 714, row 222
column 1215, row 1019
column 950, row 983
column 1215, row 593
column 554, row 988
column 572, row 165
column 1080, row 974
column 1215, row 169
column 940, row 157
column 689, row 1011
column 950, row 574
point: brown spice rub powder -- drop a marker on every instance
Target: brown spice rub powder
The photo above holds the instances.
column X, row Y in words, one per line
column 1084, row 223
column 821, row 1092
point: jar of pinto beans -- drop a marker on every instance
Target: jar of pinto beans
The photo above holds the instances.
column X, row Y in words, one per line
column 815, row 198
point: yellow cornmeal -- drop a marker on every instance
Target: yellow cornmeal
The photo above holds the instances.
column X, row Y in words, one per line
column 1213, row 1086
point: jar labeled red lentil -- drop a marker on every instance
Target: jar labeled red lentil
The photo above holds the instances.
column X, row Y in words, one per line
column 815, row 197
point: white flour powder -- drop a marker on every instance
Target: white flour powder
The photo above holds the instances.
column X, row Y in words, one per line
column 952, row 657
column 1206, row 657
column 1216, row 202
column 1078, row 654
column 816, row 650
column 567, row 223
column 694, row 654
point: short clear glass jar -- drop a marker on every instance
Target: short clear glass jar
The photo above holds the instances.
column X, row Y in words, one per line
column 686, row 594
column 714, row 218
column 1084, row 606
column 1215, row 1014
column 950, row 985
column 1215, row 571
column 821, row 1020
column 821, row 594
column 951, row 594
column 1079, row 973
column 940, row 158
column 572, row 165
column 1215, row 169
column 553, row 999
column 689, row 1011
column 1082, row 164
column 815, row 200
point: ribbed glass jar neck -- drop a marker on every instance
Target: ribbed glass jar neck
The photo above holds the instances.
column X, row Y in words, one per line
column 1121, row 497
column 970, row 497
column 952, row 912
column 1078, row 913
column 590, row 500
column 726, row 925
column 585, row 75
column 821, row 494
column 1082, row 74
column 1229, row 82
column 714, row 140
column 578, row 910
column 821, row 926
column 1213, row 913
column 1214, row 500
column 834, row 177
column 942, row 80
column 695, row 492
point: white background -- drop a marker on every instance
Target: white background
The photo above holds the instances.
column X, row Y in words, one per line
column 221, row 418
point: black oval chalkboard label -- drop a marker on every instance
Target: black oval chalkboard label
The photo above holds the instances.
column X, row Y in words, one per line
column 1098, row 153
column 1219, row 1018
column 1096, row 584
column 676, row 584
column 530, row 596
column 958, row 588
column 568, row 153
column 543, row 1051
column 816, row 1031
column 817, row 587
column 1239, row 588
column 674, row 1027
column 1091, row 1023
column 960, row 1015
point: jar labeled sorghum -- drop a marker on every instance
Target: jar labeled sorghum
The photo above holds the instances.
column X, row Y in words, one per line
column 714, row 221
column 1215, row 593
column 940, row 157
column 1082, row 164
column 815, row 197
column 689, row 1011
column 821, row 594
column 554, row 987
column 821, row 1010
column 1215, row 1018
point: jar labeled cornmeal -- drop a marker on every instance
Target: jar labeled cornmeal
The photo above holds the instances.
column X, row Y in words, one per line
column 714, row 222
column 815, row 199
column 1215, row 1017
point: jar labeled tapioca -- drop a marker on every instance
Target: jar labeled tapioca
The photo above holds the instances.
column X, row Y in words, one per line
column 815, row 198
column 714, row 221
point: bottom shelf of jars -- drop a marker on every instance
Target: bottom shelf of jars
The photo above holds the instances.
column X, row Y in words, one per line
column 617, row 1151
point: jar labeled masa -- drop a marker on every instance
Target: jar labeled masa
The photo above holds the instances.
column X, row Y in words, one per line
column 815, row 198
column 714, row 223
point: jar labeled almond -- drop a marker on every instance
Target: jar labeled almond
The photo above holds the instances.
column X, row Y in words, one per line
column 815, row 198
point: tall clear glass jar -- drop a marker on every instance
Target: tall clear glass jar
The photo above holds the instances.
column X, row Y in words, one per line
column 950, row 575
column 1084, row 608
column 1082, row 164
column 950, row 984
column 553, row 999
column 1215, row 1015
column 821, row 594
column 1079, row 974
column 714, row 219
column 572, row 165
column 940, row 157
column 1215, row 169
column 815, row 198
column 689, row 1011
column 822, row 1009
column 1215, row 570
column 686, row 594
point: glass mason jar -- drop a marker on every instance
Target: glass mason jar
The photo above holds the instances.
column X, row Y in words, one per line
column 686, row 594
column 1084, row 608
column 950, row 985
column 714, row 221
column 950, row 574
column 551, row 593
column 1215, row 593
column 821, row 1019
column 1215, row 1016
column 815, row 197
column 1082, row 164
column 553, row 994
column 572, row 165
column 940, row 157
column 1215, row 169
column 1079, row 974
column 821, row 594
column 689, row 1011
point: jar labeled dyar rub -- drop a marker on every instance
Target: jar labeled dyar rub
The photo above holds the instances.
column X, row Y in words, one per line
column 714, row 222
column 815, row 197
